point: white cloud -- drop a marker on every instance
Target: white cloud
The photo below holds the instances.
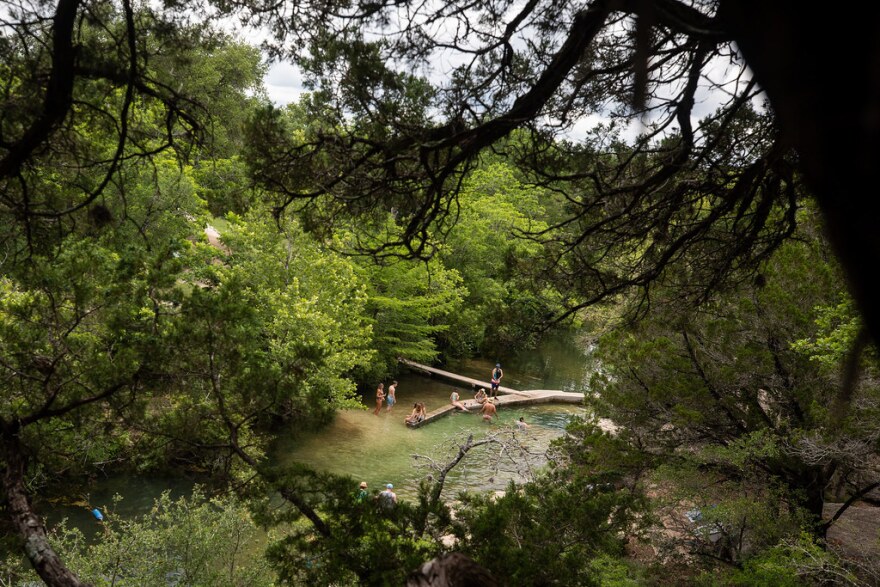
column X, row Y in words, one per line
column 284, row 83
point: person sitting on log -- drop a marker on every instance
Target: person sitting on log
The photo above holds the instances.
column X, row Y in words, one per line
column 454, row 400
column 418, row 414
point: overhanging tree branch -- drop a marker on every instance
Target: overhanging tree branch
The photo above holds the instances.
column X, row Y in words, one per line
column 27, row 523
column 59, row 91
column 853, row 498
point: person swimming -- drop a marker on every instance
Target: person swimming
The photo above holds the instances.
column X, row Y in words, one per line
column 489, row 410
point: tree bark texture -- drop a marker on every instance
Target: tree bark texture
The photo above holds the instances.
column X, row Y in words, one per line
column 27, row 523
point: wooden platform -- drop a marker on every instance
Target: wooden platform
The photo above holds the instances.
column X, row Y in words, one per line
column 507, row 396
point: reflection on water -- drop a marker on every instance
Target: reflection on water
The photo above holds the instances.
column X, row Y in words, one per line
column 562, row 362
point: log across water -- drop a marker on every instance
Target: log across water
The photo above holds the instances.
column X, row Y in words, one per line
column 507, row 396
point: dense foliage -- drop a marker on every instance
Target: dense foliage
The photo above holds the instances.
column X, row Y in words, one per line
column 189, row 541
column 731, row 419
column 140, row 331
column 185, row 266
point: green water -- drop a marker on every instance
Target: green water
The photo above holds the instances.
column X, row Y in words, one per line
column 138, row 495
column 380, row 449
column 561, row 362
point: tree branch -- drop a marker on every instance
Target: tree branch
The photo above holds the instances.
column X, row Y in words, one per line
column 59, row 91
column 463, row 449
column 709, row 387
column 853, row 498
column 27, row 523
column 46, row 412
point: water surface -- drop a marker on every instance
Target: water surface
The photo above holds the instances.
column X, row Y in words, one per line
column 382, row 449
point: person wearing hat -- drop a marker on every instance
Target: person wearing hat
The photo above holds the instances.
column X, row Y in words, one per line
column 497, row 374
column 387, row 497
column 363, row 494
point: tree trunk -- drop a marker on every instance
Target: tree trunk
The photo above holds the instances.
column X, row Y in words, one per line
column 820, row 67
column 810, row 483
column 44, row 559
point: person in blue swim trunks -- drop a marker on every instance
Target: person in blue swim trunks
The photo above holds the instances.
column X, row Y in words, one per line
column 391, row 399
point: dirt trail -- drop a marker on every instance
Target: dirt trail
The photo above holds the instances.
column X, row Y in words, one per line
column 857, row 533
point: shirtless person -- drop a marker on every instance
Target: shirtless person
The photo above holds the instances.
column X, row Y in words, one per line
column 380, row 397
column 488, row 411
column 392, row 395
column 454, row 400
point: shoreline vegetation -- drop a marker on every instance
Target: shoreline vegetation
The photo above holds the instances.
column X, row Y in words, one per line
column 187, row 268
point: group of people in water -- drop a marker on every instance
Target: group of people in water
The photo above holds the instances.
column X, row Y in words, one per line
column 389, row 398
column 485, row 399
column 387, row 499
column 487, row 404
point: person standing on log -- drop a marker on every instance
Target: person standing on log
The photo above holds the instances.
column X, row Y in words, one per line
column 497, row 374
